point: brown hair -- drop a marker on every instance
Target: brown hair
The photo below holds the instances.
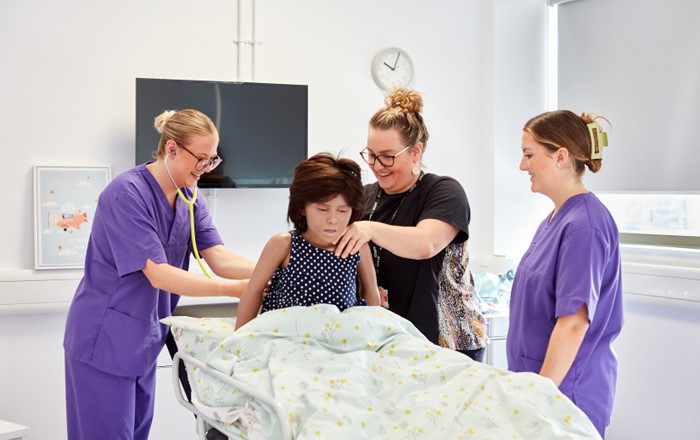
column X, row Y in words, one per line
column 320, row 178
column 565, row 129
column 402, row 110
column 180, row 125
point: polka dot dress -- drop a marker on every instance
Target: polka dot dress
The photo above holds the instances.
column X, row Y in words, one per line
column 313, row 276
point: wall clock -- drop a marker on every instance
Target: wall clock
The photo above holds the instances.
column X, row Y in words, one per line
column 392, row 68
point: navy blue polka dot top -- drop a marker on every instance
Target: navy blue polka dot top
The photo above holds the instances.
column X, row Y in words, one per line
column 313, row 276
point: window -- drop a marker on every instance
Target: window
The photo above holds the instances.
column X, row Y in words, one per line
column 651, row 96
column 656, row 219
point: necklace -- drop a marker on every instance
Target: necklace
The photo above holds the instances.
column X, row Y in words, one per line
column 377, row 250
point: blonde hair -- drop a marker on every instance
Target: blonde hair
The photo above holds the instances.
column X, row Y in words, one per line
column 565, row 129
column 179, row 125
column 402, row 111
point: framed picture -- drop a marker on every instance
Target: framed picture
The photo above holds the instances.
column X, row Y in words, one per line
column 65, row 199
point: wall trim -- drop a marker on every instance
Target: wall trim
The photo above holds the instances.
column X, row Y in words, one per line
column 681, row 284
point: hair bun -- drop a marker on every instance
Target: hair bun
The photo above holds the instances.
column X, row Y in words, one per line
column 594, row 165
column 162, row 119
column 407, row 100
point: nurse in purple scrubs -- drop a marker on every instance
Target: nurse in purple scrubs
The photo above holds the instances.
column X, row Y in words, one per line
column 136, row 267
column 566, row 299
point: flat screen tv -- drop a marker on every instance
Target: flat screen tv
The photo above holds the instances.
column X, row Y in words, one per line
column 263, row 128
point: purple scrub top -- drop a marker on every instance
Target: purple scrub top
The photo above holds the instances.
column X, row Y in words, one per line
column 113, row 321
column 572, row 260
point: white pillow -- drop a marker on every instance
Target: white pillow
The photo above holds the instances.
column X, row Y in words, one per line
column 199, row 336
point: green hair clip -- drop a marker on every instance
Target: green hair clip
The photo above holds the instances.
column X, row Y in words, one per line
column 599, row 139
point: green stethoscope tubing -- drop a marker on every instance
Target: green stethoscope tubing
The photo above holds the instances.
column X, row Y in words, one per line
column 190, row 204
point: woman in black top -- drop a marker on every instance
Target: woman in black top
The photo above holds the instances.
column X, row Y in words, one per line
column 417, row 225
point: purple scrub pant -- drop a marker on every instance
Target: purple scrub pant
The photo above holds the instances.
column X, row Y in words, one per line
column 100, row 405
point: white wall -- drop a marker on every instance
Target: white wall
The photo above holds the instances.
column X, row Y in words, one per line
column 658, row 385
column 69, row 70
column 520, row 84
column 67, row 98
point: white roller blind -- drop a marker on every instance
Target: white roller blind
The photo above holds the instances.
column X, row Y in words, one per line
column 637, row 62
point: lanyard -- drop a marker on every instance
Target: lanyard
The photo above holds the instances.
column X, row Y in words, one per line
column 377, row 250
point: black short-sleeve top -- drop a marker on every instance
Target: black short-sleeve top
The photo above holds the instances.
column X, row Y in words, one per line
column 446, row 312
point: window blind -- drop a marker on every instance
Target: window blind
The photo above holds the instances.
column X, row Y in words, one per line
column 636, row 62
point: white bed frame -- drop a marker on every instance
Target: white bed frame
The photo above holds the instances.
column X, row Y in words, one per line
column 205, row 423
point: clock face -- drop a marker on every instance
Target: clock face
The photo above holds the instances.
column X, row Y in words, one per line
column 392, row 68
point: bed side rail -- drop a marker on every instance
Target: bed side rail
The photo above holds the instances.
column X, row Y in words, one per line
column 276, row 407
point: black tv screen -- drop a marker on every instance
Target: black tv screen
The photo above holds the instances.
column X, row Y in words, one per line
column 263, row 128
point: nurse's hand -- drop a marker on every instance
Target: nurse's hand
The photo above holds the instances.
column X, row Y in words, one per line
column 354, row 237
column 235, row 288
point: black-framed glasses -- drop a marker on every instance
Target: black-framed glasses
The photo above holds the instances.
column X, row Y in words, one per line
column 386, row 160
column 203, row 162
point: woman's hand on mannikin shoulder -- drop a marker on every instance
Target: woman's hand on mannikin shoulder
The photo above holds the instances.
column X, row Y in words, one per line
column 355, row 236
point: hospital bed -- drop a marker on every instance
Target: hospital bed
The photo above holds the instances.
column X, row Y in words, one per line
column 318, row 373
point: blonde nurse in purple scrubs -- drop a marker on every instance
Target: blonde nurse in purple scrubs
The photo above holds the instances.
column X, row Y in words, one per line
column 135, row 269
column 566, row 300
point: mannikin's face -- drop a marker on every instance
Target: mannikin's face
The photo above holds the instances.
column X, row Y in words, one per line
column 326, row 221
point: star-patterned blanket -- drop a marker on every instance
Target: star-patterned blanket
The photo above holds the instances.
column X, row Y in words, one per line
column 364, row 373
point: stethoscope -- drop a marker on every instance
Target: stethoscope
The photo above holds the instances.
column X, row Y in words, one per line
column 190, row 203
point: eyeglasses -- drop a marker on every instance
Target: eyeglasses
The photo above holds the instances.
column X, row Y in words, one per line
column 203, row 162
column 386, row 160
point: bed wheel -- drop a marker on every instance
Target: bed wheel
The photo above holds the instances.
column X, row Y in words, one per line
column 214, row 434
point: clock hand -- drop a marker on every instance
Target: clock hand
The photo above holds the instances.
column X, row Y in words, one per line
column 392, row 68
column 396, row 60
